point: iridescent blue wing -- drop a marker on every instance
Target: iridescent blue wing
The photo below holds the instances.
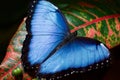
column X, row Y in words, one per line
column 74, row 56
column 46, row 28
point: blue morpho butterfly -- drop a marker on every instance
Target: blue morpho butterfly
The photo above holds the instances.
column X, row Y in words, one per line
column 50, row 51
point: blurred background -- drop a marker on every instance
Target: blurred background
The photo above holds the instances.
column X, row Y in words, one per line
column 11, row 14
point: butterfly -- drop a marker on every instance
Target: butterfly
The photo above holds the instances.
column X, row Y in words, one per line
column 50, row 51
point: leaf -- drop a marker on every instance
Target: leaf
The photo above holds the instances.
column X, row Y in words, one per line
column 89, row 19
column 12, row 58
column 93, row 19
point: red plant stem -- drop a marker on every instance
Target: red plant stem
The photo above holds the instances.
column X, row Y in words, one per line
column 94, row 21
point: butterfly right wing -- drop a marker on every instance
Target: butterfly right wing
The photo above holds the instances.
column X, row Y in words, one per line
column 74, row 56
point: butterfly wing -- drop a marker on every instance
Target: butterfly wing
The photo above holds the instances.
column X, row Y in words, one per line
column 74, row 55
column 45, row 32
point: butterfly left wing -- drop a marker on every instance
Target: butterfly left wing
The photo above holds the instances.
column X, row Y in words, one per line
column 46, row 28
column 75, row 56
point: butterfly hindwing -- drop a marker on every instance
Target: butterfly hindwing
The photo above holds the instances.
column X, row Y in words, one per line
column 78, row 53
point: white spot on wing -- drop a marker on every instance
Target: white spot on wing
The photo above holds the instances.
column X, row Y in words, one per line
column 105, row 48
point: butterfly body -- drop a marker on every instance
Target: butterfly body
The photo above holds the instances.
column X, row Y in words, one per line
column 51, row 51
